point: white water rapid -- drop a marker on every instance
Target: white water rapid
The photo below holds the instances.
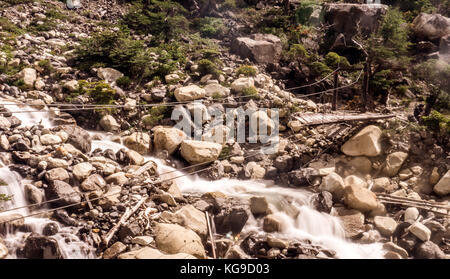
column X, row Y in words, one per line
column 301, row 221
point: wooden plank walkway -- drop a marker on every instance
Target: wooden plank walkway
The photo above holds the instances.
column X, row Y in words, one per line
column 308, row 119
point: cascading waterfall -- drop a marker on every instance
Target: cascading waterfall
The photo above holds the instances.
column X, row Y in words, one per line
column 300, row 219
column 13, row 185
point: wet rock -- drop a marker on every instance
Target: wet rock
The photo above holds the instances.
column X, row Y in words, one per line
column 272, row 223
column 174, row 239
column 360, row 198
column 352, row 221
column 442, row 188
column 305, row 177
column 62, row 191
column 167, row 138
column 364, row 143
column 41, row 247
column 277, row 243
column 50, row 229
column 11, row 221
column 260, row 48
column 196, row 152
column 189, row 93
column 135, row 158
column 94, row 182
column 114, row 250
column 139, row 142
column 394, row 162
column 428, row 250
column 62, row 216
column 231, row 219
column 420, row 231
column 334, row 184
column 390, row 246
column 33, row 194
column 3, row 251
column 259, row 205
column 323, row 202
column 78, row 137
column 109, row 124
column 385, row 225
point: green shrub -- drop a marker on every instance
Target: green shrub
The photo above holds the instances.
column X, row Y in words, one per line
column 210, row 27
column 46, row 66
column 437, row 122
column 206, row 66
column 123, row 82
column 100, row 92
column 251, row 91
column 334, row 60
column 8, row 26
column 16, row 2
column 246, row 70
column 163, row 19
column 381, row 82
column 318, row 68
column 304, row 11
column 155, row 114
column 295, row 52
column 4, row 198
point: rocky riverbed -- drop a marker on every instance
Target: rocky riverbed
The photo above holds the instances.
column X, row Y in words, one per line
column 119, row 179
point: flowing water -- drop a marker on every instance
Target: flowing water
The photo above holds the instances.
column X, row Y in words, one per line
column 300, row 220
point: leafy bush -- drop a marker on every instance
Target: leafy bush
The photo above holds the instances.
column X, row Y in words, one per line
column 155, row 114
column 163, row 19
column 251, row 91
column 100, row 92
column 318, row 68
column 210, row 27
column 8, row 26
column 437, row 122
column 247, row 70
column 304, row 11
column 206, row 66
column 123, row 82
column 334, row 60
column 46, row 67
column 295, row 52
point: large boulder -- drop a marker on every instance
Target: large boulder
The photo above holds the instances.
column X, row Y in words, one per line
column 260, row 48
column 385, row 225
column 139, row 142
column 109, row 123
column 41, row 247
column 442, row 188
column 172, row 238
column 366, row 142
column 82, row 170
column 62, row 191
column 334, row 184
column 360, row 198
column 166, row 138
column 78, row 137
column 216, row 90
column 352, row 221
column 193, row 219
column 241, row 84
column 196, row 152
column 344, row 18
column 189, row 93
column 114, row 250
column 29, row 76
column 431, row 26
column 394, row 162
column 109, row 75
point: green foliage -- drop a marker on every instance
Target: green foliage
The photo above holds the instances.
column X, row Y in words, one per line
column 123, row 82
column 4, row 198
column 437, row 122
column 381, row 82
column 295, row 52
column 155, row 114
column 334, row 60
column 54, row 13
column 246, row 70
column 16, row 2
column 390, row 44
column 318, row 68
column 210, row 27
column 251, row 91
column 8, row 26
column 163, row 19
column 225, row 153
column 411, row 8
column 100, row 92
column 206, row 66
column 46, row 66
column 304, row 11
column 170, row 57
column 434, row 72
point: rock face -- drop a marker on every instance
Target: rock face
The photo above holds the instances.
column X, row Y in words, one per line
column 193, row 219
column 260, row 48
column 28, row 75
column 189, row 93
column 139, row 142
column 443, row 186
column 394, row 162
column 174, row 239
column 366, row 142
column 385, row 225
column 196, row 152
column 63, row 191
column 41, row 247
column 360, row 198
column 167, row 138
column 78, row 137
column 343, row 18
column 431, row 26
